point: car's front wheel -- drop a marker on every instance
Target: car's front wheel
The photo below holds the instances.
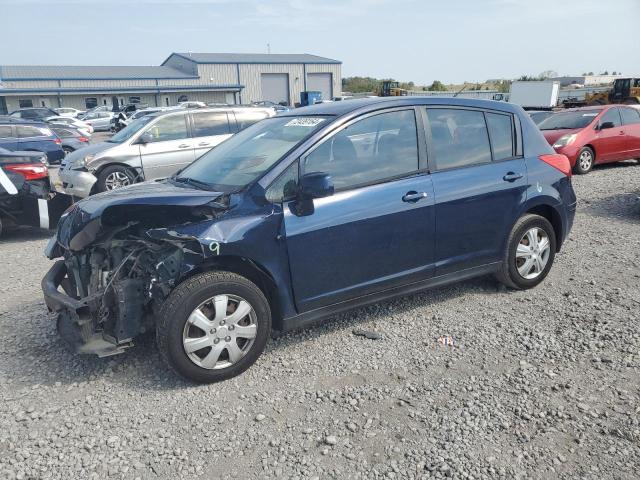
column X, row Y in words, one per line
column 213, row 326
column 114, row 177
column 584, row 161
column 529, row 254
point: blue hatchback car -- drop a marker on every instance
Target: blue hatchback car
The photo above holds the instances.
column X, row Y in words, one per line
column 26, row 135
column 305, row 215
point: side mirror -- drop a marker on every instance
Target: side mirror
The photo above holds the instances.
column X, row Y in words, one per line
column 312, row 185
column 316, row 185
column 145, row 138
column 606, row 125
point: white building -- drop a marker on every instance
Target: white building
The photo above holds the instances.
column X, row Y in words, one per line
column 209, row 77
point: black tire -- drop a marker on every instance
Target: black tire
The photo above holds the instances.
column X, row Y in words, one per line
column 1, row 227
column 106, row 173
column 67, row 150
column 185, row 299
column 508, row 273
column 581, row 167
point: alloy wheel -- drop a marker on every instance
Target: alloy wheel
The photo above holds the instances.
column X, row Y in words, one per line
column 116, row 180
column 220, row 332
column 532, row 254
column 585, row 160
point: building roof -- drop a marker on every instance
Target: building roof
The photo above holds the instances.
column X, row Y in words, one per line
column 67, row 72
column 254, row 58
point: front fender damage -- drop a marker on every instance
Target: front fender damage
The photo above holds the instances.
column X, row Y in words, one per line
column 118, row 269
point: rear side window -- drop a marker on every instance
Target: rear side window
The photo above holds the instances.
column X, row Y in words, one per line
column 5, row 131
column 25, row 103
column 501, row 134
column 612, row 115
column 630, row 116
column 459, row 137
column 376, row 148
column 26, row 131
column 206, row 124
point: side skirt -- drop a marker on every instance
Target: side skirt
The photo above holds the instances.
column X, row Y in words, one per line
column 313, row 316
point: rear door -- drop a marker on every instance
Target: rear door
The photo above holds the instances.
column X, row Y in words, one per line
column 169, row 147
column 480, row 180
column 610, row 143
column 631, row 122
column 376, row 231
column 8, row 137
column 209, row 129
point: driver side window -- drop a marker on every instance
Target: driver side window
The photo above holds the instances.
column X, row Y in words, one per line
column 376, row 148
column 173, row 127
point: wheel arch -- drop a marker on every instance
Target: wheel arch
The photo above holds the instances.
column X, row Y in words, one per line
column 593, row 149
column 253, row 272
column 552, row 214
column 137, row 174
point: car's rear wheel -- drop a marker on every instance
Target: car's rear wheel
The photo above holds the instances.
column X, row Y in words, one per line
column 529, row 254
column 213, row 326
column 114, row 177
column 584, row 161
column 67, row 150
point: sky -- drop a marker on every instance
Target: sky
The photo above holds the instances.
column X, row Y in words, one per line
column 408, row 40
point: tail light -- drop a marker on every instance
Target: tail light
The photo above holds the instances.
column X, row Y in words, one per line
column 57, row 141
column 83, row 139
column 558, row 161
column 30, row 171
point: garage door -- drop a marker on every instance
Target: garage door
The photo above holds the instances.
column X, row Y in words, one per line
column 320, row 82
column 275, row 87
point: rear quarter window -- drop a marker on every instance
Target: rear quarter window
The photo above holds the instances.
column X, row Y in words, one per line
column 501, row 135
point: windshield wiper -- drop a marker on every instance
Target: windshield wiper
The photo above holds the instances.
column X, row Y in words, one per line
column 193, row 182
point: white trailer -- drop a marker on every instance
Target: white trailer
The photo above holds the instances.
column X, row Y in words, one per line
column 535, row 94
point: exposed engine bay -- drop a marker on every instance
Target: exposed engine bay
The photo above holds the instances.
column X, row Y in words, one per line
column 117, row 270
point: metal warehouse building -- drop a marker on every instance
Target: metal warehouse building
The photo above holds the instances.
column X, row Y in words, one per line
column 209, row 77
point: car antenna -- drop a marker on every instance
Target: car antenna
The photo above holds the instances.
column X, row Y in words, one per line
column 460, row 91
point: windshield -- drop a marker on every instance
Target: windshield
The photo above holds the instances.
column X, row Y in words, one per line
column 243, row 158
column 130, row 130
column 567, row 120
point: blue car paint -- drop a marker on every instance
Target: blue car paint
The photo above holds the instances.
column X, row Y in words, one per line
column 360, row 245
column 41, row 143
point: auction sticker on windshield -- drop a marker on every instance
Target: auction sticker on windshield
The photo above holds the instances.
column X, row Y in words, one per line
column 304, row 122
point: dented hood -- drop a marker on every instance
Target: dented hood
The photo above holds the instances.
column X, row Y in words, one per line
column 86, row 214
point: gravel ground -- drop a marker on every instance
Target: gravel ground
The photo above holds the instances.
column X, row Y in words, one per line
column 537, row 384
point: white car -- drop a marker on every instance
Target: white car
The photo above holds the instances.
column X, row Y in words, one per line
column 69, row 112
column 83, row 127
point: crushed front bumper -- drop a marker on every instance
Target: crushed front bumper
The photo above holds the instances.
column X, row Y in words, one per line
column 73, row 316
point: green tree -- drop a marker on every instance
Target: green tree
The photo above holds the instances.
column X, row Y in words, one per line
column 437, row 86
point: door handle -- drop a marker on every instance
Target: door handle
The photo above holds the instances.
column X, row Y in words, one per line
column 512, row 177
column 203, row 144
column 184, row 145
column 413, row 196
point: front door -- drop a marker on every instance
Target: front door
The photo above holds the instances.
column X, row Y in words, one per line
column 168, row 147
column 631, row 123
column 209, row 129
column 610, row 143
column 480, row 181
column 376, row 231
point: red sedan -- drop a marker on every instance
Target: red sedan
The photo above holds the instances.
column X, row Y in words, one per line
column 593, row 135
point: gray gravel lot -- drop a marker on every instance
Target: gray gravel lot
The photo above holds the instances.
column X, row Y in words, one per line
column 538, row 384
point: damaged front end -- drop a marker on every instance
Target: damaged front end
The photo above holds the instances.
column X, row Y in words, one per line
column 120, row 260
